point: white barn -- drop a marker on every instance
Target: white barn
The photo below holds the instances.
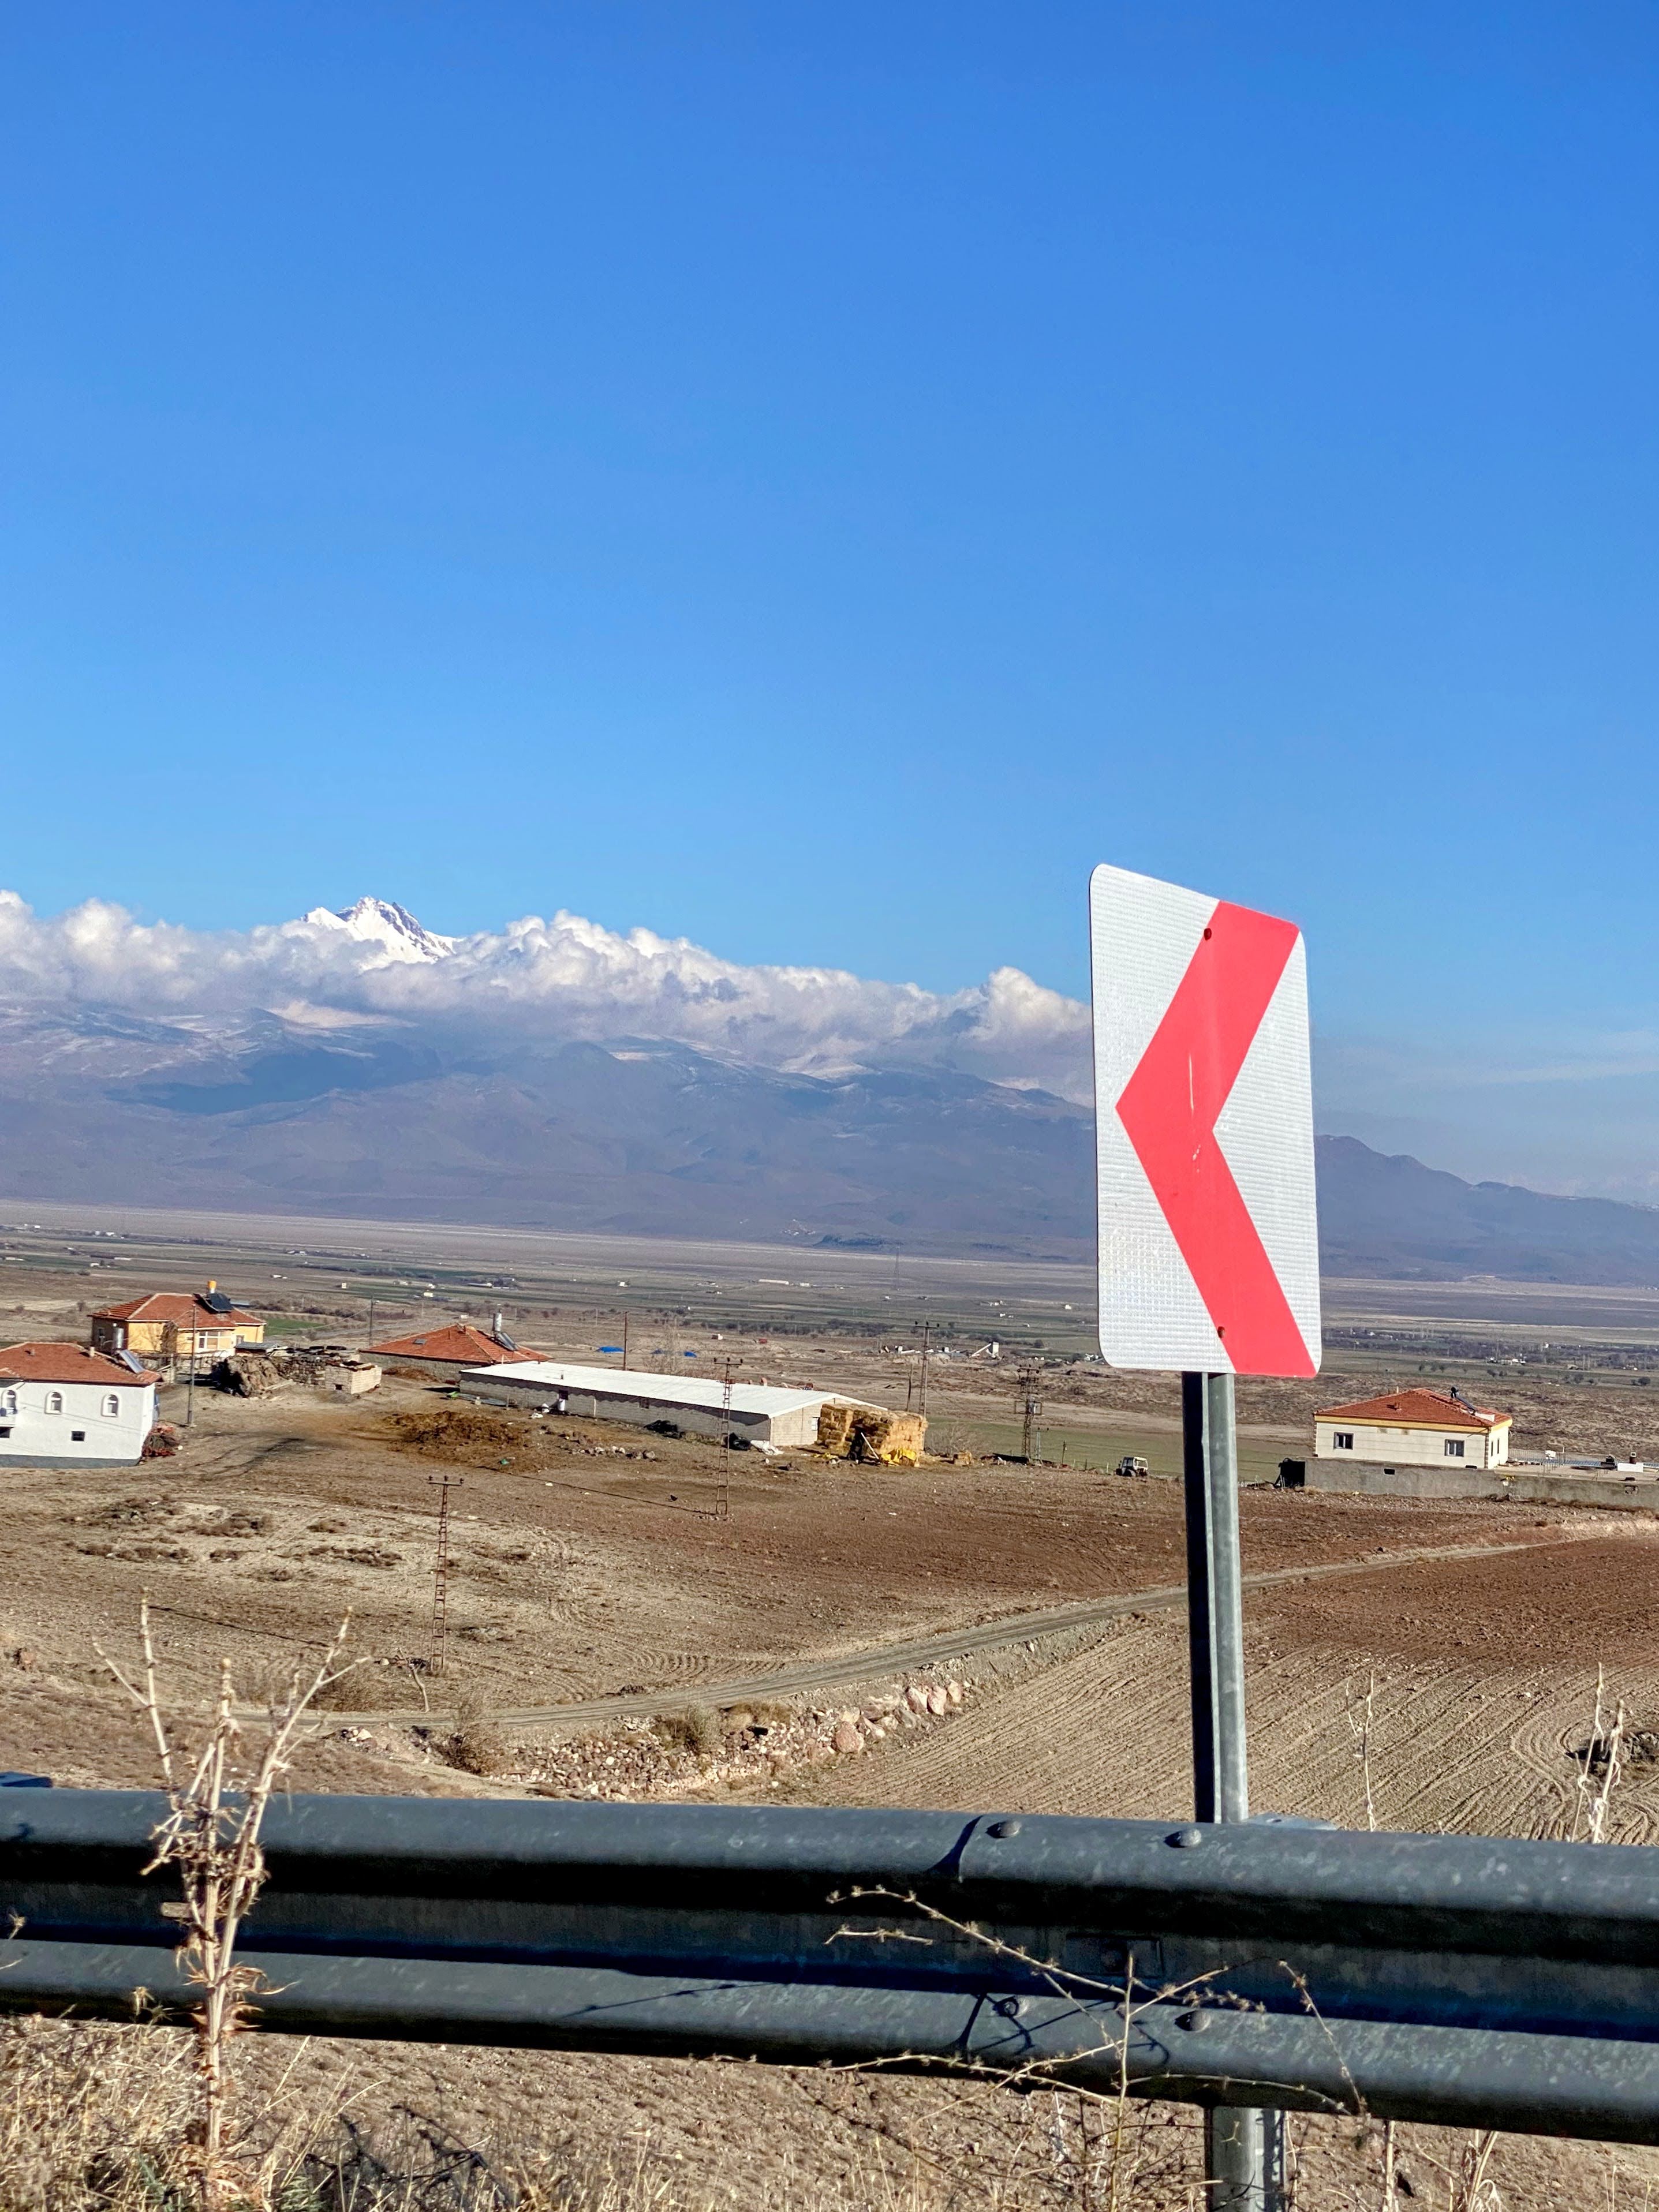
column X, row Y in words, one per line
column 62, row 1405
column 760, row 1413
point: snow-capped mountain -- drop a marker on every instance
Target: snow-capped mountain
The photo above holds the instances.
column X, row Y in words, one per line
column 383, row 923
column 560, row 979
column 550, row 1072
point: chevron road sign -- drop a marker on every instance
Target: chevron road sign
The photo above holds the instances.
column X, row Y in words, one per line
column 1209, row 1244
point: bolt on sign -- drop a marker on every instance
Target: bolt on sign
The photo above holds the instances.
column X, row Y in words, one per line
column 1209, row 1237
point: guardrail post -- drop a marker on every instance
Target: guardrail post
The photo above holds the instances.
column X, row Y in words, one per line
column 1243, row 2149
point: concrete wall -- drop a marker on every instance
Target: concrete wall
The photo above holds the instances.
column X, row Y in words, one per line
column 1367, row 1478
column 351, row 1381
column 1370, row 1479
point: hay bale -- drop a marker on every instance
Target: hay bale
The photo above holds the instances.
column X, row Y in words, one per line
column 872, row 1434
column 835, row 1429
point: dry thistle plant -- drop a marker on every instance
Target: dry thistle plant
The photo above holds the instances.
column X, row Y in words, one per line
column 1605, row 1749
column 1361, row 1716
column 216, row 1808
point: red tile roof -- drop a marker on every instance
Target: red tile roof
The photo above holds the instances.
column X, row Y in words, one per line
column 1415, row 1408
column 455, row 1340
column 187, row 1306
column 67, row 1362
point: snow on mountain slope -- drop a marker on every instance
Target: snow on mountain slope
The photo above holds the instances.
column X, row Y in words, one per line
column 563, row 978
column 382, row 922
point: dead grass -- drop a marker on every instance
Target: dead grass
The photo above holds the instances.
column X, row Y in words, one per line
column 476, row 1744
column 97, row 2118
column 697, row 1729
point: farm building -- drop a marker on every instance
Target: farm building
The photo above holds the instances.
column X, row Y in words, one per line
column 65, row 1405
column 760, row 1413
column 176, row 1325
column 1417, row 1427
column 445, row 1352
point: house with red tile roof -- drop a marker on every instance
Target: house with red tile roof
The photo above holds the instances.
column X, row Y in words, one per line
column 64, row 1405
column 444, row 1352
column 1414, row 1427
column 174, row 1325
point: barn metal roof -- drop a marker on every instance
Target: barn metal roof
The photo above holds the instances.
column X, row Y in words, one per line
column 704, row 1391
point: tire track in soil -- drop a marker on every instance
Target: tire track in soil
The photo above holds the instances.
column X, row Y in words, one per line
column 1456, row 1748
column 870, row 1662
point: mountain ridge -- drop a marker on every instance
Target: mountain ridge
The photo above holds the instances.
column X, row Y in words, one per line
column 562, row 1076
column 641, row 1135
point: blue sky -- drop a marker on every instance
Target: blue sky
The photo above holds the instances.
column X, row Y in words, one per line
column 816, row 479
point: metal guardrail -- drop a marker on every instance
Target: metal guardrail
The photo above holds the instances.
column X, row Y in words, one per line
column 1459, row 1979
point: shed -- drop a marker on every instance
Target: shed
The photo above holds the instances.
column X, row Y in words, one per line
column 760, row 1413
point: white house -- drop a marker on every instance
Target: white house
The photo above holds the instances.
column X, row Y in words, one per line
column 64, row 1405
column 1417, row 1427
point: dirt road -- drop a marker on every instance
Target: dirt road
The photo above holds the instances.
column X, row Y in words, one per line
column 886, row 1659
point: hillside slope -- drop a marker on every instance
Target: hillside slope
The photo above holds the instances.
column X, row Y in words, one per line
column 418, row 1121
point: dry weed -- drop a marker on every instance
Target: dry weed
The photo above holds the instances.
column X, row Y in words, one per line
column 216, row 1800
column 698, row 1729
column 476, row 1744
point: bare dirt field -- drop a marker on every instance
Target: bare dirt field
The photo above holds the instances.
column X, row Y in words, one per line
column 609, row 1635
column 587, row 1561
column 585, row 1572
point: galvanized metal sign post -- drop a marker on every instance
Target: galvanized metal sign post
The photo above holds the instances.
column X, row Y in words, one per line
column 1209, row 1263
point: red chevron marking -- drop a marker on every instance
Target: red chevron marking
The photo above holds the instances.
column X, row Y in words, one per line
column 1169, row 1108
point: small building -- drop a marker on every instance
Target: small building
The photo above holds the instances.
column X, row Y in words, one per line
column 759, row 1413
column 1417, row 1427
column 445, row 1352
column 177, row 1326
column 65, row 1405
column 350, row 1378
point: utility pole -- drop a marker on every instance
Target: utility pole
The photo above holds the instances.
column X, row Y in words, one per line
column 1030, row 1380
column 624, row 1338
column 921, row 1401
column 723, row 1506
column 445, row 1482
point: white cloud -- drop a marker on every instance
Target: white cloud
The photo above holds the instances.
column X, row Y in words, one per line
column 563, row 978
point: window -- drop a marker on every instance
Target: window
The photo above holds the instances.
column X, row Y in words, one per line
column 1343, row 1440
column 77, row 1435
column 1454, row 1447
column 112, row 1405
column 54, row 1401
column 5, row 1432
column 11, row 1402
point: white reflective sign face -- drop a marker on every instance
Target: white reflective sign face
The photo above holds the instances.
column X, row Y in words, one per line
column 1208, row 1236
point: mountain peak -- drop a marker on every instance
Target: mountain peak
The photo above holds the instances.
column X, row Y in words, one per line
column 383, row 922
